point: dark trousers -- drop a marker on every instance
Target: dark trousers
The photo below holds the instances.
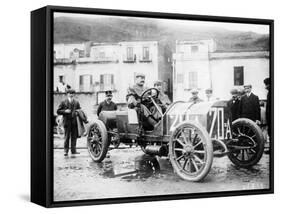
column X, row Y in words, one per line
column 70, row 134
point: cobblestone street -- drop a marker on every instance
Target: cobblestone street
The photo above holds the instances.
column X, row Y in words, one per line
column 78, row 177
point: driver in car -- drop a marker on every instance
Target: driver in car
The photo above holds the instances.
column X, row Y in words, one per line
column 134, row 102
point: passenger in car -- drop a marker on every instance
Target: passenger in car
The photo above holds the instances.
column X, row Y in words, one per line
column 162, row 97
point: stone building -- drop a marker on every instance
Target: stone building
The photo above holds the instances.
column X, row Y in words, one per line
column 198, row 64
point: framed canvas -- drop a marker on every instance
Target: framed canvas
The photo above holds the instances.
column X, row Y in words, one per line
column 132, row 106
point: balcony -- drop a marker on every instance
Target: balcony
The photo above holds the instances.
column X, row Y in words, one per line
column 130, row 59
column 109, row 59
column 106, row 87
column 145, row 60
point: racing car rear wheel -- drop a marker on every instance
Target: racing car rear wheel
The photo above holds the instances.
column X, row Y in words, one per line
column 97, row 141
column 191, row 151
column 248, row 150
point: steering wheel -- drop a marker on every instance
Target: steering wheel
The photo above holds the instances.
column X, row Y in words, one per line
column 147, row 96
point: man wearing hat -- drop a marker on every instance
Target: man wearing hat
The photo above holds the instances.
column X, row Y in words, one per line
column 133, row 100
column 234, row 104
column 107, row 104
column 209, row 95
column 134, row 92
column 250, row 105
column 241, row 93
column 194, row 98
column 163, row 98
column 68, row 108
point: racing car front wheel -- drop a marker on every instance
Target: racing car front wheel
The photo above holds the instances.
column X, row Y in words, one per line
column 248, row 148
column 97, row 141
column 191, row 151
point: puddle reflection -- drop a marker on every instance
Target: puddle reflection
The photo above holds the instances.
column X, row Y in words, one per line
column 143, row 167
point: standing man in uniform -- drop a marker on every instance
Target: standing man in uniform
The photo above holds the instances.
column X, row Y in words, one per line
column 250, row 105
column 107, row 104
column 68, row 108
column 195, row 98
column 234, row 104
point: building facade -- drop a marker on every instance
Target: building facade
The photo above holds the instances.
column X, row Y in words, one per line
column 197, row 64
column 68, row 51
column 112, row 67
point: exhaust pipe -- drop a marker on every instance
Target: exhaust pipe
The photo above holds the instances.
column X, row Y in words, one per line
column 156, row 150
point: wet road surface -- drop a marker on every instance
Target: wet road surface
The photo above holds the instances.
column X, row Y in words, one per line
column 78, row 177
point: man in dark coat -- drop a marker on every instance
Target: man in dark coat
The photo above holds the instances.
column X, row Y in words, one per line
column 68, row 108
column 250, row 105
column 107, row 104
column 234, row 104
column 268, row 106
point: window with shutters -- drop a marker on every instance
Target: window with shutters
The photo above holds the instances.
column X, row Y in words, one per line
column 194, row 49
column 180, row 78
column 81, row 53
column 238, row 75
column 102, row 55
column 130, row 54
column 62, row 78
column 86, row 83
column 107, row 82
column 192, row 79
column 145, row 54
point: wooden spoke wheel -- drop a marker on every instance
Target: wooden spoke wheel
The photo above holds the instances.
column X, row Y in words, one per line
column 191, row 151
column 97, row 141
column 248, row 149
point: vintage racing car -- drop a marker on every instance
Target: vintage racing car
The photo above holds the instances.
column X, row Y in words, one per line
column 189, row 134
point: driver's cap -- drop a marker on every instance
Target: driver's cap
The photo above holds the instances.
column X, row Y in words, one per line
column 194, row 91
column 140, row 75
column 70, row 91
column 157, row 82
column 234, row 91
column 108, row 93
column 247, row 86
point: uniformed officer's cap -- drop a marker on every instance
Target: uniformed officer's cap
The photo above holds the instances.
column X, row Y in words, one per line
column 157, row 82
column 70, row 91
column 248, row 86
column 140, row 75
column 108, row 93
column 234, row 91
column 194, row 91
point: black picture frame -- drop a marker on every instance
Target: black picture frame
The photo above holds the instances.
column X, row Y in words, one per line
column 42, row 23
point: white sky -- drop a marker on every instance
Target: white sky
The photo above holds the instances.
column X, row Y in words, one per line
column 262, row 29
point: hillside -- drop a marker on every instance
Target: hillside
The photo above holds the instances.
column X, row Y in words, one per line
column 73, row 30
